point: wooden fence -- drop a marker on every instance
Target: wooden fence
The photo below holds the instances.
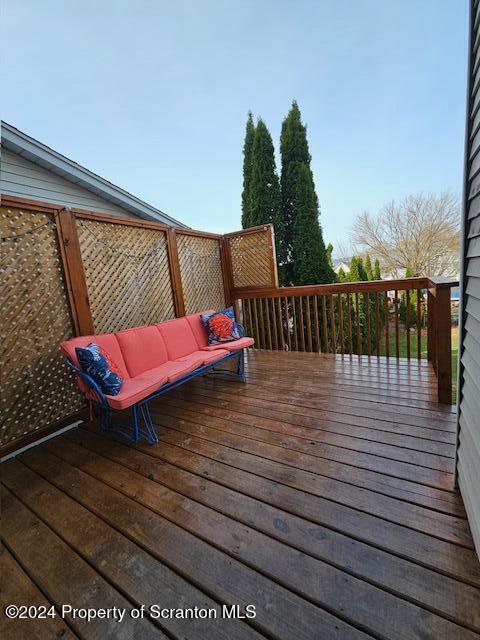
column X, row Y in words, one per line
column 390, row 318
column 250, row 258
column 73, row 272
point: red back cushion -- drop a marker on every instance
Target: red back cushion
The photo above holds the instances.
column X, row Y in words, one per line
column 198, row 328
column 143, row 348
column 178, row 338
column 109, row 344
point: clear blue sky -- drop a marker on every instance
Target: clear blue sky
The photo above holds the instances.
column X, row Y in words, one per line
column 153, row 95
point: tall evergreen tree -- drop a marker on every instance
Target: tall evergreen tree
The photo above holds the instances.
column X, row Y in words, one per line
column 413, row 297
column 357, row 270
column 376, row 270
column 299, row 200
column 308, row 247
column 264, row 202
column 368, row 267
column 330, row 254
column 247, row 170
column 362, row 272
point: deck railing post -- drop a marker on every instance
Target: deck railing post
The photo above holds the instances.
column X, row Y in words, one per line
column 443, row 347
column 74, row 272
column 175, row 275
column 226, row 263
column 431, row 327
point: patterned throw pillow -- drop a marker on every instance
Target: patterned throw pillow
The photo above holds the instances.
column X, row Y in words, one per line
column 98, row 365
column 221, row 326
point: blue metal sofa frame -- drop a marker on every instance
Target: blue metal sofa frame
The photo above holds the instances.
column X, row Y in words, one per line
column 140, row 410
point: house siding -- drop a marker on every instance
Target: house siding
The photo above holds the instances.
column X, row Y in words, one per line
column 25, row 179
column 468, row 465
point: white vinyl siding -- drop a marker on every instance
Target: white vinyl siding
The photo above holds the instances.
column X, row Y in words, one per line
column 468, row 466
column 22, row 178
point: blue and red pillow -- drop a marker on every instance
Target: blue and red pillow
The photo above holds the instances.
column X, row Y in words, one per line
column 221, row 326
column 98, row 365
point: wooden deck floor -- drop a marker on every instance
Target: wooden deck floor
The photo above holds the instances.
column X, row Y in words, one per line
column 321, row 491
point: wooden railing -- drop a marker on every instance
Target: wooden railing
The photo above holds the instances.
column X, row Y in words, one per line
column 406, row 318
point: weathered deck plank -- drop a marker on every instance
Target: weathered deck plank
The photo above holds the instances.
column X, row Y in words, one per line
column 321, row 491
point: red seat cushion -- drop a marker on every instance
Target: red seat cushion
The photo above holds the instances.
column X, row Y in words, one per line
column 178, row 337
column 241, row 343
column 136, row 389
column 198, row 328
column 173, row 370
column 204, row 356
column 143, row 349
column 148, row 382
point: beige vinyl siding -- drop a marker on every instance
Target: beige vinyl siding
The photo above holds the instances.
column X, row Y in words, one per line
column 468, row 466
column 22, row 178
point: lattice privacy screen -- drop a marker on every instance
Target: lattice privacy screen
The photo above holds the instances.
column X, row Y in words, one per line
column 36, row 387
column 201, row 273
column 127, row 274
column 252, row 259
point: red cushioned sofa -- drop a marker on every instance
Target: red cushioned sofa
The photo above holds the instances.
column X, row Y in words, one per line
column 151, row 360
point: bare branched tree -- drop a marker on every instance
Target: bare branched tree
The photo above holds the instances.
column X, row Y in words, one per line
column 343, row 252
column 420, row 233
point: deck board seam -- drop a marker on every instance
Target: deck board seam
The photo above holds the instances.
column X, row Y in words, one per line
column 315, row 458
column 183, row 397
column 207, row 542
column 352, row 448
column 431, row 407
column 112, row 584
column 336, row 566
column 290, row 412
column 85, row 559
column 30, row 577
column 298, row 398
column 344, row 504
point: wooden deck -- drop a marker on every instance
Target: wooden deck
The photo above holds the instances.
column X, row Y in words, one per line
column 321, row 491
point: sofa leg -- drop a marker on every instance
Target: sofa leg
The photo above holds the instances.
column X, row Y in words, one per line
column 130, row 431
column 105, row 419
column 135, row 433
column 150, row 433
column 241, row 366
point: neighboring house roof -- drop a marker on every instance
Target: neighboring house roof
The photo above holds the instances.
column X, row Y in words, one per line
column 40, row 154
column 341, row 265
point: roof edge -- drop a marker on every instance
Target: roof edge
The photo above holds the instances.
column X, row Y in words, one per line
column 46, row 157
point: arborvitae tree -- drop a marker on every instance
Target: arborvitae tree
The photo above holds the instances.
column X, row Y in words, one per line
column 361, row 270
column 247, row 171
column 330, row 254
column 299, row 200
column 413, row 296
column 342, row 276
column 377, row 275
column 368, row 268
column 264, row 201
column 308, row 247
column 357, row 270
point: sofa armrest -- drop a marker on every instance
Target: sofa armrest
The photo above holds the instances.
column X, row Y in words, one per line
column 241, row 329
column 92, row 385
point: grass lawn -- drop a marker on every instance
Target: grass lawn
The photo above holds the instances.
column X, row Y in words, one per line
column 402, row 347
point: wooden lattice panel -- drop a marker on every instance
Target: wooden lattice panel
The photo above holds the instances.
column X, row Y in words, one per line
column 201, row 273
column 251, row 259
column 36, row 387
column 127, row 274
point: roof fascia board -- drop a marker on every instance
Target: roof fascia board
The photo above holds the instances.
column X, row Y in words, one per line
column 34, row 150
